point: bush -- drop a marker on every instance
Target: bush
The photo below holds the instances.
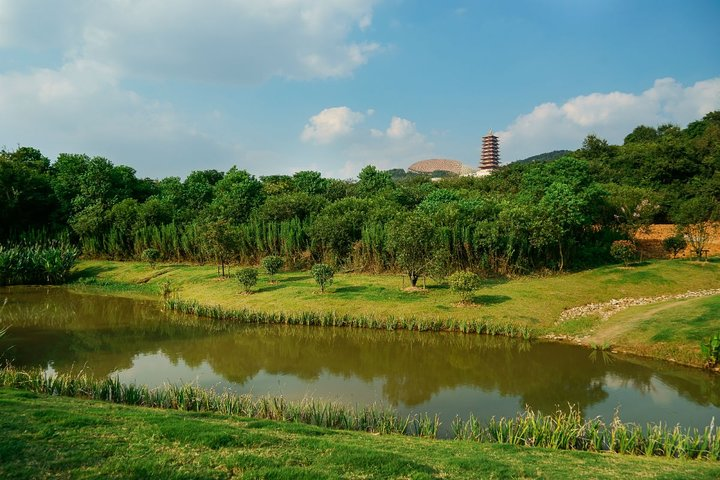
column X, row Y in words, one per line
column 151, row 255
column 247, row 277
column 36, row 265
column 272, row 264
column 464, row 283
column 323, row 275
column 711, row 351
column 675, row 244
column 624, row 250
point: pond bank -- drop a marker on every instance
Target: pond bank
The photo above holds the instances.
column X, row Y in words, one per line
column 528, row 304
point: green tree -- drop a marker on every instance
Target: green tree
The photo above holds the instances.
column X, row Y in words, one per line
column 696, row 219
column 464, row 283
column 674, row 244
column 221, row 241
column 236, row 196
column 337, row 227
column 310, row 182
column 373, row 181
column 272, row 265
column 151, row 255
column 323, row 275
column 633, row 208
column 624, row 250
column 26, row 196
column 411, row 238
column 247, row 277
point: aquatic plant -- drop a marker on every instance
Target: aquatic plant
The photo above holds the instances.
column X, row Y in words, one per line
column 564, row 430
column 710, row 350
column 332, row 318
column 36, row 264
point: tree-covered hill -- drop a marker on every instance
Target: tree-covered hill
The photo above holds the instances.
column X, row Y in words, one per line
column 542, row 213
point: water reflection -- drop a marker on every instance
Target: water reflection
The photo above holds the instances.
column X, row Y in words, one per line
column 446, row 373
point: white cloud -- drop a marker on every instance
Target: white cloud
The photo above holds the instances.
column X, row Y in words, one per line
column 398, row 146
column 226, row 41
column 85, row 105
column 330, row 124
column 609, row 115
column 400, row 128
column 81, row 109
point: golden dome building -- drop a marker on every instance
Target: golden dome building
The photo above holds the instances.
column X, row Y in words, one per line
column 441, row 165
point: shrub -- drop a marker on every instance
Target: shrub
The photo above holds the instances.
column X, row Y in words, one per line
column 464, row 283
column 39, row 265
column 166, row 289
column 151, row 255
column 272, row 264
column 247, row 277
column 323, row 275
column 675, row 244
column 711, row 351
column 624, row 250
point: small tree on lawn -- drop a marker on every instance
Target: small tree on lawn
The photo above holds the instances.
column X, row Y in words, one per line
column 675, row 244
column 323, row 275
column 247, row 277
column 464, row 283
column 411, row 238
column 151, row 255
column 696, row 218
column 272, row 264
column 624, row 250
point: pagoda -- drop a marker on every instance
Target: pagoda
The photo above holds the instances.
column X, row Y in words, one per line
column 490, row 157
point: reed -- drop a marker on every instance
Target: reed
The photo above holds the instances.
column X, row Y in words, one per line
column 565, row 430
column 190, row 397
column 36, row 264
column 569, row 430
column 216, row 312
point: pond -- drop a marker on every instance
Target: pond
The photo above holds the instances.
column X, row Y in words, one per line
column 446, row 373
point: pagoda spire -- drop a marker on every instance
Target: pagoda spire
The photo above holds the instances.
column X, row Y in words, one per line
column 490, row 156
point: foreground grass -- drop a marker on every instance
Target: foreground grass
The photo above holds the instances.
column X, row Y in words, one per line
column 64, row 437
column 534, row 303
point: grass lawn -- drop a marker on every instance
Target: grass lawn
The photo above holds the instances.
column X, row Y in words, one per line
column 63, row 437
column 665, row 327
column 534, row 301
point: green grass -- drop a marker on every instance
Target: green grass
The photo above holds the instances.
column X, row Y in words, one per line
column 675, row 327
column 64, row 437
column 532, row 302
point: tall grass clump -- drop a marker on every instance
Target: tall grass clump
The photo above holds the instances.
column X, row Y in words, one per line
column 37, row 264
column 569, row 430
column 565, row 430
column 190, row 397
column 334, row 319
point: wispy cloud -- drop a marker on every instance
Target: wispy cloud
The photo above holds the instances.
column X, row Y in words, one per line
column 213, row 41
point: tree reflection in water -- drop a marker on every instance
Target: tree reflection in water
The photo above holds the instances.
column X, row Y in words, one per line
column 54, row 326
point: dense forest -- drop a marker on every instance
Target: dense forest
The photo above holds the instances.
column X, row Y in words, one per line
column 550, row 213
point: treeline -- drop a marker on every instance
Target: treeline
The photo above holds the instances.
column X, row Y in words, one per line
column 546, row 214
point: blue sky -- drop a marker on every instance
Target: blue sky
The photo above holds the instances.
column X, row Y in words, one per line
column 277, row 86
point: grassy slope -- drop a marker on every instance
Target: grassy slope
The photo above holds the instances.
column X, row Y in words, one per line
column 668, row 326
column 63, row 437
column 533, row 301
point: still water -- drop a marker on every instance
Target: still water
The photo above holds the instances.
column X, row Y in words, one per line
column 448, row 374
